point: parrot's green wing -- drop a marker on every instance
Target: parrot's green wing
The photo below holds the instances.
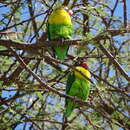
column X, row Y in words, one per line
column 70, row 80
column 85, row 88
column 56, row 31
column 60, row 32
column 69, row 104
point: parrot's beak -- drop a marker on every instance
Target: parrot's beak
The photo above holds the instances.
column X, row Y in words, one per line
column 70, row 12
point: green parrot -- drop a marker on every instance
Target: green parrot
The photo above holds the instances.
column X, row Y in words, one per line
column 60, row 28
column 77, row 86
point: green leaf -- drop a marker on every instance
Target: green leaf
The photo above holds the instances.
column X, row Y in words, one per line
column 39, row 94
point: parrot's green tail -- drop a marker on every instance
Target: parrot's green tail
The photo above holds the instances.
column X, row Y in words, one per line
column 60, row 51
column 69, row 108
column 68, row 112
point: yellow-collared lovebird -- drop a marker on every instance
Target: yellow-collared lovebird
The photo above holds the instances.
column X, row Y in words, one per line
column 60, row 28
column 77, row 86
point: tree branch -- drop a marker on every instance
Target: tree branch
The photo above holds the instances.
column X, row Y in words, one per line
column 43, row 84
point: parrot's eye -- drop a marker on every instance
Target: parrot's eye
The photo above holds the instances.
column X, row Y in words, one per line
column 84, row 65
column 66, row 8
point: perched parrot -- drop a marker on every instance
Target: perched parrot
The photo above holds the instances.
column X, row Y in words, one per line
column 77, row 86
column 60, row 28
